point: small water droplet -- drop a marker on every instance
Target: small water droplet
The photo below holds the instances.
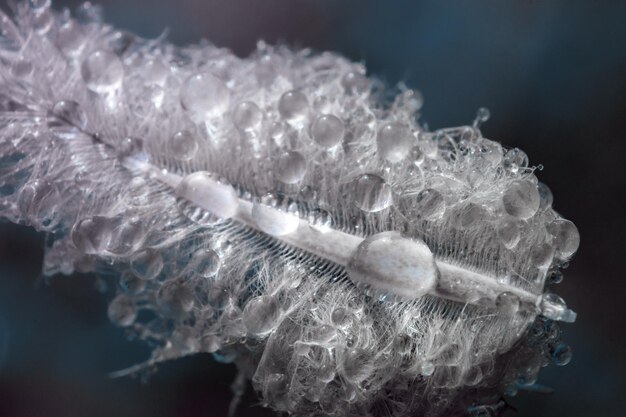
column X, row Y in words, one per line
column 147, row 264
column 545, row 196
column 514, row 160
column 206, row 198
column 127, row 237
column 206, row 263
column 341, row 317
column 371, row 193
column 566, row 237
column 247, row 116
column 508, row 303
column 183, row 145
column 356, row 365
column 541, row 255
column 155, row 72
column 521, row 199
column 509, row 233
column 394, row 142
column 291, row 167
column 327, row 130
column 131, row 284
column 293, row 105
column 354, row 83
column 175, row 298
column 204, row 95
column 482, row 115
column 561, row 354
column 70, row 39
column 429, row 204
column 469, row 216
column 261, row 314
column 92, row 234
column 102, row 71
column 122, row 311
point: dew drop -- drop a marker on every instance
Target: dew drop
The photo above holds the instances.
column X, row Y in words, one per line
column 272, row 220
column 545, row 196
column 155, row 72
column 507, row 303
column 127, row 237
column 102, row 71
column 91, row 235
column 291, row 167
column 206, row 198
column 293, row 105
column 390, row 264
column 131, row 284
column 122, row 311
column 430, row 204
column 521, row 200
column 204, row 95
column 541, row 255
column 261, row 314
column 147, row 264
column 327, row 130
column 354, row 83
column 247, row 116
column 514, row 160
column 206, row 263
column 175, row 298
column 356, row 365
column 469, row 216
column 561, row 354
column 69, row 39
column 566, row 237
column 371, row 193
column 341, row 317
column 394, row 142
column 183, row 145
column 509, row 233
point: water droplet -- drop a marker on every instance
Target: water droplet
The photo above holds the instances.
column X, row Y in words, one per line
column 428, row 368
column 42, row 20
column 206, row 198
column 341, row 317
column 556, row 277
column 390, row 264
column 261, row 314
column 354, row 83
column 70, row 39
column 482, row 115
column 206, row 263
column 155, row 72
column 183, row 145
column 185, row 340
column 357, row 365
column 394, row 142
column 205, row 95
column 429, row 204
column 291, row 167
column 545, row 196
column 127, row 237
column 514, row 160
column 521, row 200
column 509, row 233
column 293, row 105
column 272, row 220
column 561, row 354
column 39, row 201
column 247, row 116
column 131, row 284
column 327, row 130
column 326, row 373
column 507, row 303
column 469, row 216
column 122, row 311
column 68, row 119
column 211, row 343
column 102, row 71
column 371, row 193
column 566, row 237
column 175, row 298
column 91, row 235
column 147, row 264
column 10, row 37
column 541, row 255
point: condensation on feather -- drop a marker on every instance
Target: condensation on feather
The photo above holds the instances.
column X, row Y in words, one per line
column 305, row 132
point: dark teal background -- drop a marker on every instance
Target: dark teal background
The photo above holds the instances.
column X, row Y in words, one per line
column 553, row 74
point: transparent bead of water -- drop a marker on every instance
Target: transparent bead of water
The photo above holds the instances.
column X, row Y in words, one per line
column 545, row 196
column 185, row 340
column 70, row 39
column 326, row 372
column 371, row 193
column 206, row 263
column 174, row 298
column 131, row 284
column 566, row 237
column 122, row 311
column 291, row 167
column 394, row 142
column 561, row 354
column 102, row 71
column 127, row 237
column 276, row 131
column 541, row 255
column 482, row 115
column 183, row 145
column 261, row 314
column 354, row 83
column 556, row 277
column 341, row 317
column 428, row 368
column 356, row 365
column 514, row 160
column 429, row 204
column 147, row 264
column 206, row 198
column 521, row 199
column 39, row 200
column 92, row 235
column 272, row 220
column 68, row 119
column 42, row 20
column 293, row 105
column 204, row 95
column 210, row 343
column 9, row 34
column 327, row 130
column 388, row 263
column 509, row 233
column 470, row 215
column 247, row 116
column 155, row 72
column 507, row 303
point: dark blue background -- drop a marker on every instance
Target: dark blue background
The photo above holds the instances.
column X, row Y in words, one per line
column 553, row 74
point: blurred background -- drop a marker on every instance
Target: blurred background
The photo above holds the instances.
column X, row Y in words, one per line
column 553, row 74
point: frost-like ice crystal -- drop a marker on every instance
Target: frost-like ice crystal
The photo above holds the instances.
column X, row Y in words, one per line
column 275, row 211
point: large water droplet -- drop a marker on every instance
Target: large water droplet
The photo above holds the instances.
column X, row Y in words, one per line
column 509, row 233
column 327, row 130
column 371, row 193
column 261, row 314
column 273, row 220
column 507, row 303
column 566, row 237
column 121, row 311
column 390, row 264
column 429, row 204
column 206, row 263
column 247, row 116
column 206, row 198
column 521, row 199
column 205, row 95
column 147, row 264
column 394, row 142
column 291, row 167
column 102, row 71
column 545, row 196
column 127, row 237
column 183, row 145
column 70, row 39
column 175, row 298
column 155, row 72
column 92, row 235
column 293, row 105
column 470, row 215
